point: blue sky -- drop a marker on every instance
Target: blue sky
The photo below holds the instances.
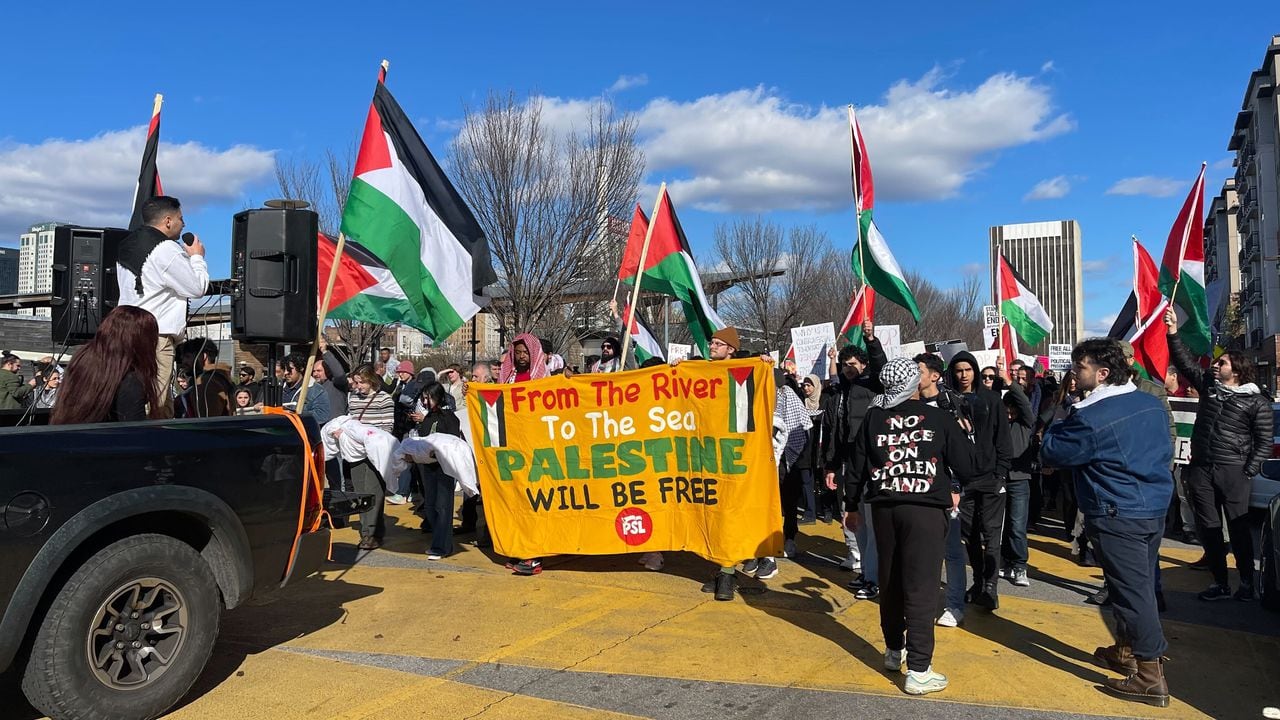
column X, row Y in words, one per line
column 966, row 106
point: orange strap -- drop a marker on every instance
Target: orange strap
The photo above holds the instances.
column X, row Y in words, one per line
column 311, row 480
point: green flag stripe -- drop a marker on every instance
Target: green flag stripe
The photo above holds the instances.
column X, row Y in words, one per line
column 865, row 265
column 380, row 225
column 1028, row 331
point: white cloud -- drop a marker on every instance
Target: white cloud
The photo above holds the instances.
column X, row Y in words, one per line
column 1147, row 185
column 1051, row 189
column 1099, row 327
column 1224, row 164
column 625, row 82
column 1047, row 67
column 751, row 150
column 1097, row 267
column 93, row 181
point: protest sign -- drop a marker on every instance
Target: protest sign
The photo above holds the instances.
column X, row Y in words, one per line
column 1184, row 420
column 906, row 350
column 990, row 316
column 666, row 458
column 985, row 358
column 1060, row 357
column 889, row 335
column 677, row 351
column 948, row 350
column 811, row 343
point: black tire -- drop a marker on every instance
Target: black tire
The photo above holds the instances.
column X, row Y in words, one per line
column 1267, row 579
column 68, row 681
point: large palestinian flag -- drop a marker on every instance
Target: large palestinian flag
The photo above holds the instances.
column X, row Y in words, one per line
column 861, row 309
column 423, row 255
column 669, row 269
column 1183, row 266
column 873, row 263
column 148, row 174
column 1150, row 343
column 1021, row 309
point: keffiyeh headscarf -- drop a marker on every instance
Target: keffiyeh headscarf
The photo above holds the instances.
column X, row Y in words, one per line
column 537, row 364
column 901, row 380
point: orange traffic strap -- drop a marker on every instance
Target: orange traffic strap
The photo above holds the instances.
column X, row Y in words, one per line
column 312, row 480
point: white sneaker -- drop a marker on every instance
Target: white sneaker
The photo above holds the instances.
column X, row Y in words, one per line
column 397, row 499
column 1019, row 577
column 951, row 617
column 850, row 564
column 893, row 659
column 435, row 557
column 922, row 683
column 652, row 561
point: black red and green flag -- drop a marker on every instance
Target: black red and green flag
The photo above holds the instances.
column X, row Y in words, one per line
column 421, row 256
column 148, row 175
column 669, row 269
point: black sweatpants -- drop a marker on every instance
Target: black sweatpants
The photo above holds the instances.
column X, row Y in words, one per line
column 909, row 545
column 1214, row 491
column 791, row 484
column 982, row 528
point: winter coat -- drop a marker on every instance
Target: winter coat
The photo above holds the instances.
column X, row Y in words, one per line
column 847, row 405
column 12, row 390
column 1233, row 426
column 990, row 432
column 912, row 453
column 1114, row 442
column 1024, row 450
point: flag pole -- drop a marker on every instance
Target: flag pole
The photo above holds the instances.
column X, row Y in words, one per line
column 1000, row 310
column 1137, row 306
column 857, row 202
column 1182, row 251
column 644, row 255
column 383, row 67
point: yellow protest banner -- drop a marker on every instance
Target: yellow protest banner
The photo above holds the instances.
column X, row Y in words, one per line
column 666, row 458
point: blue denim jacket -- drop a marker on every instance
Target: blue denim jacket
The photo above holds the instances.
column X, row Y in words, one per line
column 1117, row 444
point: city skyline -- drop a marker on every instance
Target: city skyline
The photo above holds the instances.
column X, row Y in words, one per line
column 971, row 120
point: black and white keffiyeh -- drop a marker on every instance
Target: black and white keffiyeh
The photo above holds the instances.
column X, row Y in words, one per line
column 901, row 380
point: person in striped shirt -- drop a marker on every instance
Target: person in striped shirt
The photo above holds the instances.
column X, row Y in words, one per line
column 367, row 403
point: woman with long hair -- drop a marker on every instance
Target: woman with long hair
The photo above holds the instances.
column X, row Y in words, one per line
column 367, row 403
column 437, row 487
column 113, row 377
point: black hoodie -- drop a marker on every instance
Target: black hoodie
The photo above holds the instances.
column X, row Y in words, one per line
column 846, row 403
column 993, row 448
column 908, row 454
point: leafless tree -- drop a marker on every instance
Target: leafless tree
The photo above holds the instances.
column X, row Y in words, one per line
column 542, row 196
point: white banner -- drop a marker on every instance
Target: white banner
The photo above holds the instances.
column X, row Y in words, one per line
column 889, row 335
column 906, row 350
column 811, row 343
column 985, row 358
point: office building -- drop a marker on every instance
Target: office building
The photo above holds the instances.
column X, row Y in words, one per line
column 9, row 271
column 1222, row 259
column 1254, row 139
column 35, row 263
column 1047, row 255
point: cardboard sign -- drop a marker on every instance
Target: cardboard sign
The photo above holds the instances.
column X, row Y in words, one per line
column 985, row 358
column 906, row 350
column 811, row 343
column 667, row 458
column 676, row 351
column 889, row 335
column 1060, row 357
column 990, row 316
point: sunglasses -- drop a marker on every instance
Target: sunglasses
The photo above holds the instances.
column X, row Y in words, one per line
column 988, row 377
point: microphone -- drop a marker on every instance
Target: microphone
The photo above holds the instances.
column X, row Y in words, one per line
column 188, row 238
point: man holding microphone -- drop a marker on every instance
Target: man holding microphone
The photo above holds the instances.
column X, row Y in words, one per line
column 160, row 275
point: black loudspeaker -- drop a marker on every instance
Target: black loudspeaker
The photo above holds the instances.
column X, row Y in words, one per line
column 84, row 280
column 273, row 275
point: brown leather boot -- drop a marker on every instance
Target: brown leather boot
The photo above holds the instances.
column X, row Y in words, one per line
column 1145, row 685
column 1118, row 658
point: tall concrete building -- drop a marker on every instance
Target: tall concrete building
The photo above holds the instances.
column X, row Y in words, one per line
column 1047, row 255
column 8, row 271
column 35, row 263
column 1254, row 139
column 1222, row 257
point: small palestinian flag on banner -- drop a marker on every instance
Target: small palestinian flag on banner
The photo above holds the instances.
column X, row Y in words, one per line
column 493, row 419
column 742, row 391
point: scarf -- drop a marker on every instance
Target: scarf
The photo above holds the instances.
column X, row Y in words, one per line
column 901, row 380
column 537, row 364
column 813, row 403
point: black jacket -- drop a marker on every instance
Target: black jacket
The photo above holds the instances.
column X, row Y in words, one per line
column 1023, row 447
column 1232, row 428
column 993, row 450
column 912, row 453
column 440, row 421
column 846, row 404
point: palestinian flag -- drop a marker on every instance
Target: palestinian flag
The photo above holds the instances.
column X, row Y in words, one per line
column 148, row 175
column 742, row 390
column 1008, row 341
column 1183, row 266
column 669, row 268
column 643, row 340
column 876, row 266
column 864, row 192
column 493, row 422
column 427, row 256
column 1150, row 343
column 862, row 308
column 1021, row 310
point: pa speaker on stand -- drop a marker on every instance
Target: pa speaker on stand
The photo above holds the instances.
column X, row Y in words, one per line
column 83, row 280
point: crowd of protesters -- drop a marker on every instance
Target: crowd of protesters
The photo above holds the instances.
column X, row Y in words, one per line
column 1008, row 446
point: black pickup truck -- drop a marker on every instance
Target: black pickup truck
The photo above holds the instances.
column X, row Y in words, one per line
column 122, row 543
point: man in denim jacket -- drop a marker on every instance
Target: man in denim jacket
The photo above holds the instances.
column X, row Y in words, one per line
column 1116, row 443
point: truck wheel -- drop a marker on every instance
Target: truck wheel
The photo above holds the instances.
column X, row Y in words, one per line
column 127, row 635
column 1268, row 581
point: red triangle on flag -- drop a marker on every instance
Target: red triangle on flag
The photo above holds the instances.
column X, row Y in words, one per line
column 490, row 396
column 374, row 153
column 740, row 374
column 352, row 277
